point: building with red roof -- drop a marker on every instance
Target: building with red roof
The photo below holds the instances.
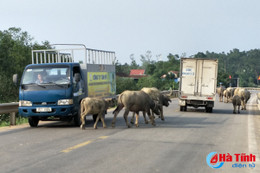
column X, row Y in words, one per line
column 137, row 73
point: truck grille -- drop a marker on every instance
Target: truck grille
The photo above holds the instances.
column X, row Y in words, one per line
column 44, row 103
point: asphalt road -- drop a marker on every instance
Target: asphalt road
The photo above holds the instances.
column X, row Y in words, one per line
column 179, row 144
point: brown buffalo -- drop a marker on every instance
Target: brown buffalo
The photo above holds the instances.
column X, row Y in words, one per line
column 159, row 98
column 244, row 95
column 94, row 106
column 220, row 91
column 135, row 101
column 236, row 104
column 229, row 93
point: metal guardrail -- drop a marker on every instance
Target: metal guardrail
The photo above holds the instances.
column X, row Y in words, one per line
column 11, row 108
column 251, row 88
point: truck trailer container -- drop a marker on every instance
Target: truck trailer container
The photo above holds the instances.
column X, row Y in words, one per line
column 198, row 81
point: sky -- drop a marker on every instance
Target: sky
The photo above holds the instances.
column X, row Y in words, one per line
column 183, row 27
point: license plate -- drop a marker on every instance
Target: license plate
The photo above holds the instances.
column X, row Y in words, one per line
column 44, row 109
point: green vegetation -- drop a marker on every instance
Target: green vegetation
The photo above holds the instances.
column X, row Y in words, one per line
column 243, row 65
column 5, row 120
column 154, row 70
column 15, row 54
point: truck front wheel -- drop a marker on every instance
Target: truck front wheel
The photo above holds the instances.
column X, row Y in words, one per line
column 77, row 117
column 33, row 121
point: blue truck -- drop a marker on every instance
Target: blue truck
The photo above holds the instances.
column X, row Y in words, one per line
column 53, row 86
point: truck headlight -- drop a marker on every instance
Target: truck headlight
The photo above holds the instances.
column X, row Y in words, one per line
column 25, row 103
column 182, row 102
column 65, row 102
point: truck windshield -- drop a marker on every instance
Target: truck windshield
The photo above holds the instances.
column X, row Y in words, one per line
column 46, row 75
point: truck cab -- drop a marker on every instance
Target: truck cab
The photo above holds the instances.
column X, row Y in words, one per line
column 53, row 86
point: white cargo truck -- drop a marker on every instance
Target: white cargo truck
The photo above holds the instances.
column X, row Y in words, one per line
column 198, row 80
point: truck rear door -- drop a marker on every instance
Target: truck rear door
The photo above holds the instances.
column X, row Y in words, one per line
column 198, row 77
column 188, row 81
column 208, row 77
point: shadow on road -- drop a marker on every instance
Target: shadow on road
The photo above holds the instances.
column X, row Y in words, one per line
column 169, row 122
column 217, row 111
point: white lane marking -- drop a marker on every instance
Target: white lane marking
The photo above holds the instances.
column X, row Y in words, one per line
column 252, row 143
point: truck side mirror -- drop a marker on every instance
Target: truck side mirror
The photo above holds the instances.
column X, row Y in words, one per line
column 77, row 77
column 15, row 79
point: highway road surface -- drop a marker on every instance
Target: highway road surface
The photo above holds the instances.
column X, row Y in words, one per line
column 182, row 143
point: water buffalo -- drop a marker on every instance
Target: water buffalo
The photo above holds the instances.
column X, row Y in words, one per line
column 229, row 93
column 244, row 95
column 159, row 98
column 236, row 104
column 135, row 101
column 94, row 106
column 220, row 91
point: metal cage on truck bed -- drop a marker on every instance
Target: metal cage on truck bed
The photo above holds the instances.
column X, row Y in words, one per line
column 91, row 56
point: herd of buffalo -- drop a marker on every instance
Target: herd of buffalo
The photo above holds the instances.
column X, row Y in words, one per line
column 147, row 100
column 238, row 96
column 150, row 101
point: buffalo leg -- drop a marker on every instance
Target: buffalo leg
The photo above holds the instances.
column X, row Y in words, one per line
column 242, row 105
column 136, row 119
column 234, row 110
column 132, row 119
column 116, row 112
column 144, row 115
column 126, row 119
column 151, row 117
column 145, row 119
column 103, row 120
column 100, row 116
column 97, row 119
column 161, row 112
column 82, row 126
